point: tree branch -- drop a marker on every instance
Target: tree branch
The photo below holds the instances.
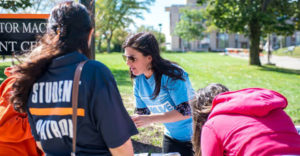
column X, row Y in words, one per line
column 265, row 5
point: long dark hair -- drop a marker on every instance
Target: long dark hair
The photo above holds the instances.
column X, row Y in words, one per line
column 147, row 44
column 201, row 107
column 67, row 31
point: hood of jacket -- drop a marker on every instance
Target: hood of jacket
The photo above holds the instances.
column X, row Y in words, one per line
column 250, row 101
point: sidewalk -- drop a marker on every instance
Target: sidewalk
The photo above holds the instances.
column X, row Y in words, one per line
column 6, row 60
column 279, row 61
column 10, row 60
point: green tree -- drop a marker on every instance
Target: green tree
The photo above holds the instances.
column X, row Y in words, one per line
column 191, row 25
column 15, row 5
column 297, row 15
column 114, row 14
column 161, row 38
column 253, row 18
column 35, row 6
column 118, row 39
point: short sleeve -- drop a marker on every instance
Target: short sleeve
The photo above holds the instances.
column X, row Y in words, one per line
column 142, row 111
column 139, row 102
column 184, row 109
column 111, row 117
column 209, row 142
column 180, row 90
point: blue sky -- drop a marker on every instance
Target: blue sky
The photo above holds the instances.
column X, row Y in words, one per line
column 158, row 15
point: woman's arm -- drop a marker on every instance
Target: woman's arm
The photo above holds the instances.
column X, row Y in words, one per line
column 144, row 120
column 124, row 150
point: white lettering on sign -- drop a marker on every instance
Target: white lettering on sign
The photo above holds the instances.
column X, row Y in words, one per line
column 4, row 46
column 13, row 27
column 34, row 28
column 9, row 27
column 27, row 45
column 20, row 35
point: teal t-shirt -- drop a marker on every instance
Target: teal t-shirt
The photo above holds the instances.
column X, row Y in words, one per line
column 172, row 93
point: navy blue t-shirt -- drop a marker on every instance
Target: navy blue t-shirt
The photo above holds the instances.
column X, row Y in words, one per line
column 102, row 122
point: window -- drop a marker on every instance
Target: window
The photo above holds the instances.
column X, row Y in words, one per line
column 236, row 40
column 222, row 40
column 244, row 45
column 204, row 43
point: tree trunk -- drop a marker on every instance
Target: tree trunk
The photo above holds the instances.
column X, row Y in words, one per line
column 108, row 45
column 108, row 41
column 182, row 46
column 254, row 42
column 281, row 42
column 99, row 44
column 269, row 49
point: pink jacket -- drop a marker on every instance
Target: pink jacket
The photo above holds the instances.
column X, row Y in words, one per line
column 249, row 122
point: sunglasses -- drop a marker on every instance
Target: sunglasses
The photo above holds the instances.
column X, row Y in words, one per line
column 129, row 58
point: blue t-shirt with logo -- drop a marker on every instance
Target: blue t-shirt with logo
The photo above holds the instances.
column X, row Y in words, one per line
column 172, row 93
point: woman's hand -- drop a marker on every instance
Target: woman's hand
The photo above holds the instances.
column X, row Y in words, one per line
column 142, row 120
column 145, row 120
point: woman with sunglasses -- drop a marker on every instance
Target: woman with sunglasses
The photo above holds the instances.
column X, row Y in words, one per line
column 162, row 90
column 43, row 89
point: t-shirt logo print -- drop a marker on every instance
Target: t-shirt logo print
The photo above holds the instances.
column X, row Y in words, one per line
column 52, row 93
column 161, row 108
column 63, row 127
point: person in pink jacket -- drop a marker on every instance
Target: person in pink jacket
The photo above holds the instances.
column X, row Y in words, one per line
column 247, row 122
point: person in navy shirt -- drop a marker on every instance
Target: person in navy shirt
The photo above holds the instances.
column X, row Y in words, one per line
column 162, row 91
column 43, row 89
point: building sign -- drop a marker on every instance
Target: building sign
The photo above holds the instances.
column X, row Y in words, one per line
column 18, row 32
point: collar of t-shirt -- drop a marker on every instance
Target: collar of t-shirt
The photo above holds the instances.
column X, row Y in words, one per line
column 67, row 59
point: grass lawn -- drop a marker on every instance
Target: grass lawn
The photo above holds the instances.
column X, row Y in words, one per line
column 3, row 65
column 205, row 68
column 283, row 52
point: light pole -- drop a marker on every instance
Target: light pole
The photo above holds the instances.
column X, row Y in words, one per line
column 159, row 38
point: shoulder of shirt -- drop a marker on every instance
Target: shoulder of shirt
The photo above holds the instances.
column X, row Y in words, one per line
column 166, row 77
column 176, row 65
column 96, row 65
column 97, row 68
